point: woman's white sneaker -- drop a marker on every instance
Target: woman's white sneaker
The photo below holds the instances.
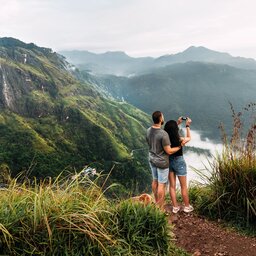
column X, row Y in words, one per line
column 175, row 209
column 188, row 209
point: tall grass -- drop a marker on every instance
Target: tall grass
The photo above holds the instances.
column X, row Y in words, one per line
column 231, row 193
column 53, row 217
column 144, row 233
column 73, row 217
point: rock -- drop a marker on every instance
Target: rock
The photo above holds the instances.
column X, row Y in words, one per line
column 197, row 253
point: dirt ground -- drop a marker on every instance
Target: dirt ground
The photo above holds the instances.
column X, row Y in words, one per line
column 202, row 237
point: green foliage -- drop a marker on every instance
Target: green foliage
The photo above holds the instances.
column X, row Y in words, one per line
column 231, row 193
column 46, row 146
column 71, row 216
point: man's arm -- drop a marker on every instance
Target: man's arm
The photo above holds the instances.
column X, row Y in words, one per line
column 168, row 150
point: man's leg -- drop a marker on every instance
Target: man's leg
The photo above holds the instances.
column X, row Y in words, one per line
column 161, row 195
column 162, row 181
column 154, row 189
column 155, row 181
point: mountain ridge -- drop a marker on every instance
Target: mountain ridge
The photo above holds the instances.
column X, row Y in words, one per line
column 126, row 66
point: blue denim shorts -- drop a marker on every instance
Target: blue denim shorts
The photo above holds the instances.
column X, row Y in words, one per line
column 161, row 175
column 178, row 165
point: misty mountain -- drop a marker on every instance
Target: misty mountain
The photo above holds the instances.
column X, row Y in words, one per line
column 118, row 63
column 199, row 90
column 202, row 54
column 50, row 121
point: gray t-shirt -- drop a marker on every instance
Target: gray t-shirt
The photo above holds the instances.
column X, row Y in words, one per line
column 157, row 139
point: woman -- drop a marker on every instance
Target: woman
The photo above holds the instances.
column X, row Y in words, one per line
column 177, row 163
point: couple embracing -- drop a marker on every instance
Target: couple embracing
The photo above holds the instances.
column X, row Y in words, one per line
column 166, row 160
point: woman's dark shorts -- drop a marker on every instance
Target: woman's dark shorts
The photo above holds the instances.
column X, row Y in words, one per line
column 178, row 165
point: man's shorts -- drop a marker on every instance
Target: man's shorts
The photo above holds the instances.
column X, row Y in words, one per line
column 178, row 165
column 161, row 175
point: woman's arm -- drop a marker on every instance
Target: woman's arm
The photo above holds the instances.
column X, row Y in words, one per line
column 188, row 135
column 179, row 121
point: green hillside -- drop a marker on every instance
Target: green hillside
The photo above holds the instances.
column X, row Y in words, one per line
column 50, row 121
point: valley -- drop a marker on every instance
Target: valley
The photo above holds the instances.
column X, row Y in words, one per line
column 201, row 89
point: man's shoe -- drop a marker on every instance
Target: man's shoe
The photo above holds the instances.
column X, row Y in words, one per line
column 175, row 209
column 188, row 209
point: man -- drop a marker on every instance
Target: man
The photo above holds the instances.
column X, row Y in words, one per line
column 159, row 151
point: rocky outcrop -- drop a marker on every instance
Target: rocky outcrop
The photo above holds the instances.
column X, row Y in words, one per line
column 27, row 68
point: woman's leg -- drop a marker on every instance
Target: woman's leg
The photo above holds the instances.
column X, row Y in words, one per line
column 184, row 189
column 172, row 189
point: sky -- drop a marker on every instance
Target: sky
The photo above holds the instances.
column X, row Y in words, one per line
column 138, row 27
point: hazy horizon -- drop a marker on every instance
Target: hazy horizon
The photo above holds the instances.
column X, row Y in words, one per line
column 164, row 54
column 123, row 51
column 137, row 27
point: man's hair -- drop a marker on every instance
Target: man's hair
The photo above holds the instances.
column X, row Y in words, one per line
column 156, row 117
